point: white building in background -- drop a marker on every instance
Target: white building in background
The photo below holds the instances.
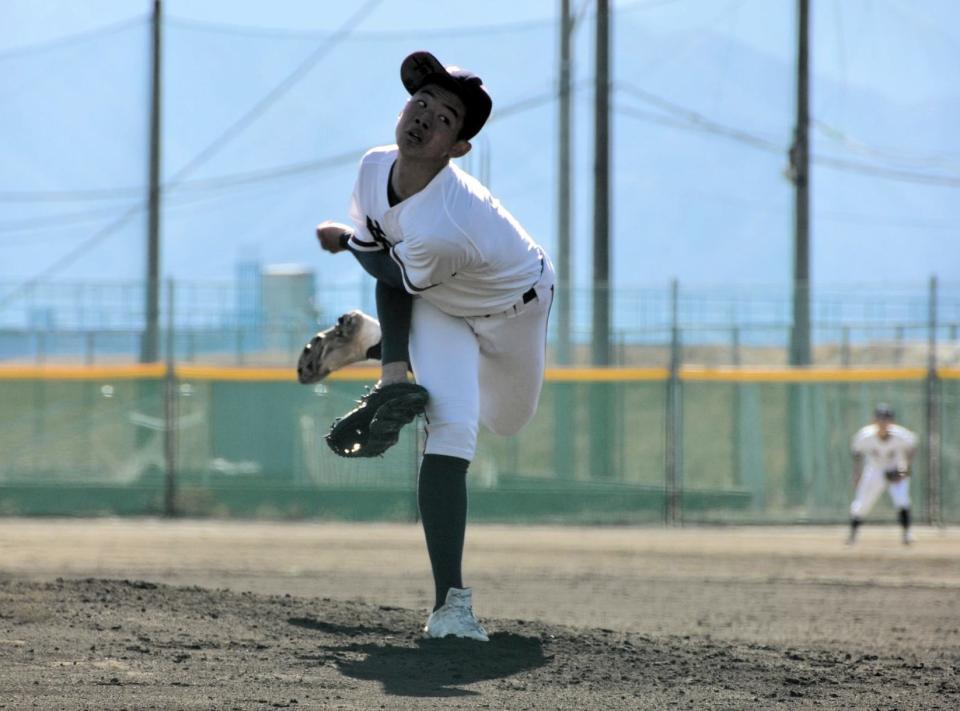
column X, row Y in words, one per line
column 289, row 313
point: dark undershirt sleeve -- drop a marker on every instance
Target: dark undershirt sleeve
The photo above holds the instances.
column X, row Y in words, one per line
column 394, row 304
column 380, row 266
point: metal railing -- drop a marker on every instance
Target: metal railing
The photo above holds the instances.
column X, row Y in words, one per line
column 233, row 323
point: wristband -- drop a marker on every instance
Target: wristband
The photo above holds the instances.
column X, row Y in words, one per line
column 344, row 239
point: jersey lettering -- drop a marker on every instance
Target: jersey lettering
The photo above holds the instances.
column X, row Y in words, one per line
column 379, row 236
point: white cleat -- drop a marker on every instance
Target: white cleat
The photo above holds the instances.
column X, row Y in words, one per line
column 340, row 345
column 455, row 618
column 907, row 537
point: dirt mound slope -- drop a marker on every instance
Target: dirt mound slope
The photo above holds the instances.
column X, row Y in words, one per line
column 124, row 644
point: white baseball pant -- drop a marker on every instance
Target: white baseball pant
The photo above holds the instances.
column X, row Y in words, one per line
column 871, row 485
column 480, row 369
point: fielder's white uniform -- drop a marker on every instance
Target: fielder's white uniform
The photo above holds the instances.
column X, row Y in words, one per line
column 879, row 455
column 478, row 330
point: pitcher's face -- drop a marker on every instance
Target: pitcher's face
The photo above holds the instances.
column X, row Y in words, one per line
column 430, row 123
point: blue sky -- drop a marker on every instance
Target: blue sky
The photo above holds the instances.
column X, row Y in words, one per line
column 688, row 203
column 892, row 46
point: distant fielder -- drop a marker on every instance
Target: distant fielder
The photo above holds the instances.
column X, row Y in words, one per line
column 463, row 296
column 882, row 455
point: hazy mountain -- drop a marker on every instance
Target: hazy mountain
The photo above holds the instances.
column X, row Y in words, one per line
column 688, row 202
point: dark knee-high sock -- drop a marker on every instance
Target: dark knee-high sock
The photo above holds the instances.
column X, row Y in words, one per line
column 854, row 524
column 442, row 497
column 904, row 516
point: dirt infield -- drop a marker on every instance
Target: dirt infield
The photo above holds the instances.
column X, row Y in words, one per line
column 138, row 614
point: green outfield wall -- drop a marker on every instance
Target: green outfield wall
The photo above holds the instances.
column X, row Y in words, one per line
column 692, row 446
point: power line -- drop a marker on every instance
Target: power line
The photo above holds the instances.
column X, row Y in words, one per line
column 28, row 227
column 190, row 192
column 533, row 102
column 860, row 218
column 69, row 219
column 691, row 120
column 692, row 116
column 268, row 174
column 368, row 35
column 187, row 23
column 272, row 96
column 68, row 40
column 337, row 160
column 887, row 221
column 205, row 154
column 73, row 219
column 24, row 232
column 73, row 254
column 643, row 5
column 907, row 176
column 220, row 183
column 242, row 178
column 894, row 154
column 95, row 194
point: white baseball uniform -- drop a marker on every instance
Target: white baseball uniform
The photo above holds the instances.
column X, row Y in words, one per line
column 478, row 330
column 879, row 455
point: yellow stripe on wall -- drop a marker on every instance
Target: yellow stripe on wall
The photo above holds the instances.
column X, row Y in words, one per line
column 83, row 372
column 800, row 375
column 201, row 372
column 605, row 374
column 216, row 372
column 555, row 374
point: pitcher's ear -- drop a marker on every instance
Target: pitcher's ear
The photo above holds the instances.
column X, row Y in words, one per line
column 460, row 149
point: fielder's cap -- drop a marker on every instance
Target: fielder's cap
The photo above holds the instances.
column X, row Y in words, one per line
column 422, row 68
column 883, row 411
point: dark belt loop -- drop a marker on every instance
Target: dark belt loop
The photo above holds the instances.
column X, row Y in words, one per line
column 529, row 295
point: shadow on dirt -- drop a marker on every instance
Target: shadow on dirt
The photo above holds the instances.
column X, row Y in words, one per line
column 335, row 629
column 439, row 667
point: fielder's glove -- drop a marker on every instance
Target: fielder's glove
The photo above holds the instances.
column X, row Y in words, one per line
column 374, row 425
column 895, row 474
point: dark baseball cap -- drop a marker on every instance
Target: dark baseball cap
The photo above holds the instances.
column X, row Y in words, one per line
column 422, row 68
column 883, row 412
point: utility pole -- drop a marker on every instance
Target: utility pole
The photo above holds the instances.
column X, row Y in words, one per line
column 149, row 347
column 563, row 190
column 800, row 332
column 932, row 416
column 800, row 175
column 170, row 416
column 564, row 449
column 602, row 416
column 601, row 198
column 673, row 449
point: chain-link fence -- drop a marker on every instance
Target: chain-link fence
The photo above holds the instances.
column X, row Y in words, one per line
column 698, row 420
column 265, row 316
column 607, row 445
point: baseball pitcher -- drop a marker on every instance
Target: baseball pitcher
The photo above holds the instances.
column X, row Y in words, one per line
column 463, row 295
